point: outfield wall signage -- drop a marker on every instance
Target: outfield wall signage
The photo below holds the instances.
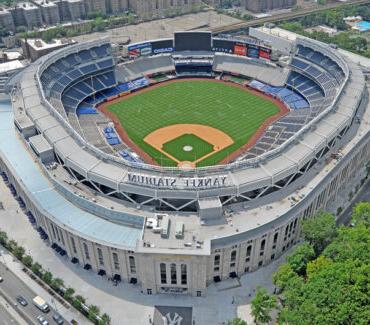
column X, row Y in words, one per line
column 181, row 183
column 240, row 49
column 141, row 49
column 253, row 51
column 163, row 50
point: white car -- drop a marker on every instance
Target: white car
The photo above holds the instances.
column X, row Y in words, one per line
column 1, row 279
column 42, row 320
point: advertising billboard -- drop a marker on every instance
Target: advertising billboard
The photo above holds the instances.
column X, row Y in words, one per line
column 141, row 49
column 162, row 46
column 253, row 51
column 265, row 53
column 240, row 49
column 224, row 46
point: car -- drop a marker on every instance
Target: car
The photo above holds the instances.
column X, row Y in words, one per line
column 22, row 301
column 42, row 320
column 58, row 319
column 1, row 279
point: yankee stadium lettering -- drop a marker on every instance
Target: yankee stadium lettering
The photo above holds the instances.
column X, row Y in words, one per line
column 201, row 182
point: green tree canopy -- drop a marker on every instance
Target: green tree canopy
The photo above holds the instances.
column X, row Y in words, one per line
column 319, row 231
column 361, row 213
column 335, row 288
column 262, row 305
column 236, row 321
column 300, row 257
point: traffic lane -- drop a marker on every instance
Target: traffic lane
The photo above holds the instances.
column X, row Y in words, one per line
column 6, row 318
column 14, row 287
column 363, row 196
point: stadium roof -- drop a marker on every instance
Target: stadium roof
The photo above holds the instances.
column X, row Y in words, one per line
column 61, row 210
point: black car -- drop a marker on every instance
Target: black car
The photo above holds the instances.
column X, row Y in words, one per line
column 58, row 319
column 22, row 301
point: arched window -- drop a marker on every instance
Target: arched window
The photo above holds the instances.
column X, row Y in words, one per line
column 233, row 256
column 173, row 274
column 86, row 251
column 162, row 269
column 276, row 237
column 263, row 242
column 100, row 256
column 132, row 263
column 115, row 261
column 184, row 275
column 217, row 260
column 249, row 250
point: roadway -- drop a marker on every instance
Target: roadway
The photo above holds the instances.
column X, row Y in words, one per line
column 362, row 195
column 283, row 16
column 11, row 287
column 6, row 317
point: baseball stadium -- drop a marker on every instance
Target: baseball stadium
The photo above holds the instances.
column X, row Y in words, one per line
column 175, row 163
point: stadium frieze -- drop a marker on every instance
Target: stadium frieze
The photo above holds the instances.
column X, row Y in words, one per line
column 179, row 183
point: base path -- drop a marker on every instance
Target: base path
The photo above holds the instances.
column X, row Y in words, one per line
column 220, row 140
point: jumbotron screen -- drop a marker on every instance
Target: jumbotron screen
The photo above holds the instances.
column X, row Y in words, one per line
column 193, row 41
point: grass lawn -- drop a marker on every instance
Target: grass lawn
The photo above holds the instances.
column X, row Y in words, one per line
column 223, row 106
column 176, row 147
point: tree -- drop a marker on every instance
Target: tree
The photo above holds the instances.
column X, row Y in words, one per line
column 236, row 321
column 27, row 260
column 284, row 276
column 361, row 213
column 18, row 252
column 12, row 244
column 319, row 231
column 3, row 238
column 36, row 268
column 262, row 304
column 93, row 312
column 300, row 257
column 56, row 284
column 47, row 277
column 78, row 301
column 68, row 294
column 106, row 319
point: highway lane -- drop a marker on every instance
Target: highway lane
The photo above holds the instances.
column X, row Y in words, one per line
column 6, row 318
column 12, row 286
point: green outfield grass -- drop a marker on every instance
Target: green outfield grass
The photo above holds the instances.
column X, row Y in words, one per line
column 220, row 105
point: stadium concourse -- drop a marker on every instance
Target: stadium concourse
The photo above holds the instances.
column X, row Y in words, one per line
column 166, row 229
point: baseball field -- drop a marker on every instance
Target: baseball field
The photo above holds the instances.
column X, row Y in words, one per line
column 200, row 122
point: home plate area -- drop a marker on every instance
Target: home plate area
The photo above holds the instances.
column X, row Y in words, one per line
column 172, row 315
